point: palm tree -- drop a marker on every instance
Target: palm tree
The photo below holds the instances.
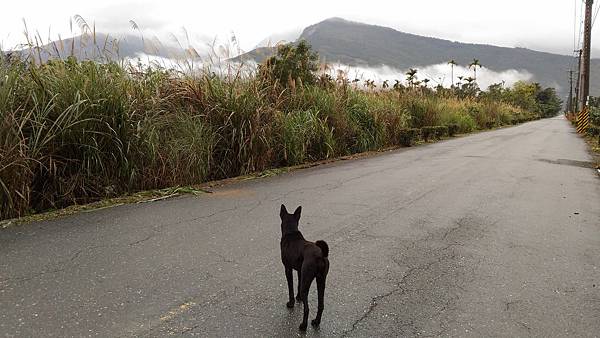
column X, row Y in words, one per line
column 411, row 76
column 385, row 84
column 426, row 81
column 474, row 65
column 452, row 63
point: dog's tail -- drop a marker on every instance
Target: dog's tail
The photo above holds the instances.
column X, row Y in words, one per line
column 324, row 247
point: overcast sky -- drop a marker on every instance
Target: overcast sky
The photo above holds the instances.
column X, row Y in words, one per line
column 546, row 25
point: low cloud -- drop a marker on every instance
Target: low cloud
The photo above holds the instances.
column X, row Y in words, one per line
column 437, row 74
column 209, row 63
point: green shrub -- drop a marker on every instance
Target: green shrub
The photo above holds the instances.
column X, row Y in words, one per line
column 453, row 129
column 408, row 136
column 434, row 132
column 595, row 115
column 428, row 132
column 441, row 131
column 593, row 130
column 466, row 123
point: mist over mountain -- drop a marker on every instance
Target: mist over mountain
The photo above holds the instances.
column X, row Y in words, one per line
column 279, row 37
column 363, row 45
column 99, row 45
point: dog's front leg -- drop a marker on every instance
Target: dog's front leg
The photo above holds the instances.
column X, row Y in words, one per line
column 290, row 281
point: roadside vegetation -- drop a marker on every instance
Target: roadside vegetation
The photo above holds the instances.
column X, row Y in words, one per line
column 73, row 132
column 593, row 131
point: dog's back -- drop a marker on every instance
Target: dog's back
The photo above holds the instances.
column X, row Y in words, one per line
column 295, row 250
column 292, row 250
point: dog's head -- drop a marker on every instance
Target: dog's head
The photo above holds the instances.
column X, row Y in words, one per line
column 289, row 222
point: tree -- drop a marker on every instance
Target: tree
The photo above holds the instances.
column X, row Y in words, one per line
column 523, row 95
column 534, row 98
column 548, row 102
column 468, row 89
column 370, row 84
column 452, row 63
column 292, row 64
column 411, row 76
column 495, row 92
column 474, row 65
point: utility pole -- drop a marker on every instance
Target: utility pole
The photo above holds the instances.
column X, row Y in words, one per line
column 587, row 44
column 578, row 84
column 570, row 99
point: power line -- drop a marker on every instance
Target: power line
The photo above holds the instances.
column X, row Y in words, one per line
column 577, row 37
column 575, row 25
column 580, row 25
column 596, row 15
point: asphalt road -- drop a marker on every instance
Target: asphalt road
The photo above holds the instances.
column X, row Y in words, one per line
column 494, row 234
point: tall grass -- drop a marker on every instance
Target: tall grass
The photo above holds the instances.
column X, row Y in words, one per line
column 77, row 131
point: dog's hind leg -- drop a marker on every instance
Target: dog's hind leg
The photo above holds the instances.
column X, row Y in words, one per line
column 298, row 296
column 290, row 281
column 321, row 290
column 307, row 277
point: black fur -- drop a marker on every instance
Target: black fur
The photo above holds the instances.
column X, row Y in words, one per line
column 324, row 247
column 308, row 258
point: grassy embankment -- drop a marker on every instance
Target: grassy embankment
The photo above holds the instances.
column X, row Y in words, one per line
column 76, row 132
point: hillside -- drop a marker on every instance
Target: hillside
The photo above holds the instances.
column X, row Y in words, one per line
column 357, row 44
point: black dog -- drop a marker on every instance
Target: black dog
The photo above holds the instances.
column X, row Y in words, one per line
column 308, row 258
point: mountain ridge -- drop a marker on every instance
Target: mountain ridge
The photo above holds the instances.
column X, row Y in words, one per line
column 357, row 44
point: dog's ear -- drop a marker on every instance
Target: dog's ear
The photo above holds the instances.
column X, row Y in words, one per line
column 297, row 213
column 283, row 211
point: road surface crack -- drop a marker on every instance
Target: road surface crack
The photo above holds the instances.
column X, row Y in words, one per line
column 223, row 258
column 443, row 250
column 399, row 288
column 158, row 229
column 62, row 265
column 510, row 304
